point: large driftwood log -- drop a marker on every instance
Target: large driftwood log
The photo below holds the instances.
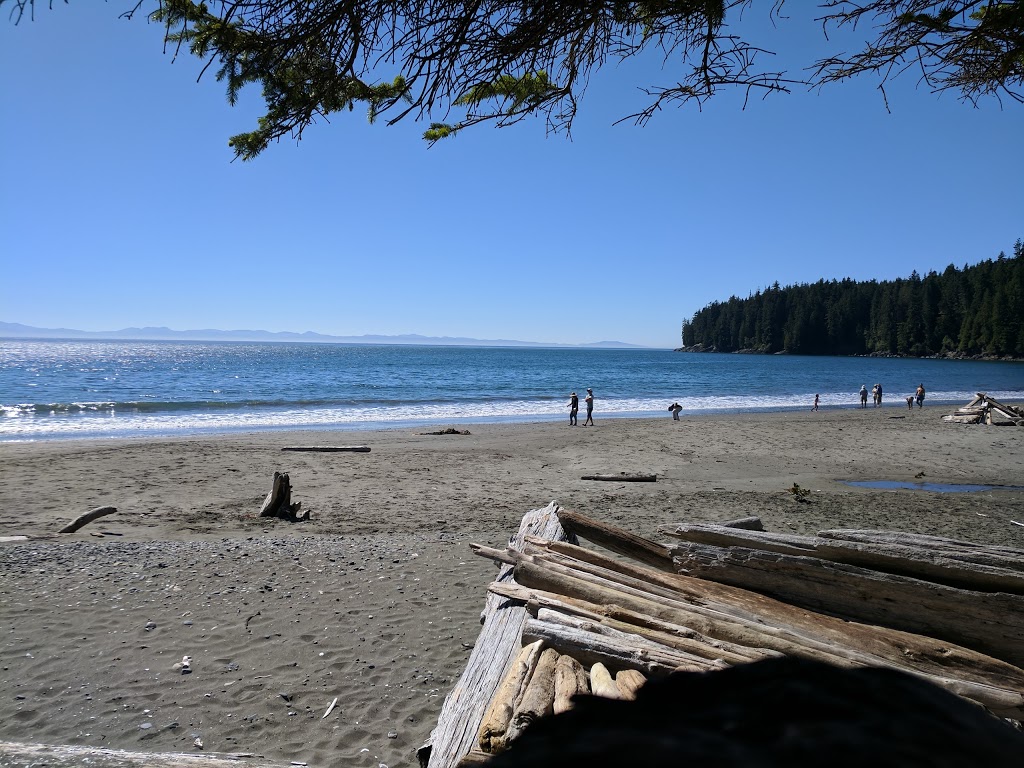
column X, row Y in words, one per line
column 87, row 518
column 745, row 523
column 602, row 683
column 538, row 699
column 990, row 622
column 495, row 724
column 570, row 680
column 328, row 448
column 617, row 540
column 278, row 502
column 967, row 567
column 622, row 477
column 74, row 756
column 629, row 681
column 463, row 709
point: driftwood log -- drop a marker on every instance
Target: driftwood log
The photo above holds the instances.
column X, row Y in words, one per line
column 493, row 652
column 617, row 540
column 328, row 448
column 990, row 622
column 74, row 756
column 493, row 734
column 88, row 517
column 279, row 501
column 570, row 680
column 623, row 477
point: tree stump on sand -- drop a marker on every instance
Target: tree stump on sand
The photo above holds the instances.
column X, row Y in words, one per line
column 279, row 501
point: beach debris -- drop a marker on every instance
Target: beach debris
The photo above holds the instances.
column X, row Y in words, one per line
column 330, row 708
column 279, row 501
column 947, row 611
column 87, row 518
column 1016, row 523
column 746, row 523
column 448, row 431
column 987, row 410
column 623, row 477
column 800, row 494
column 150, row 625
column 328, row 448
column 184, row 666
column 197, row 743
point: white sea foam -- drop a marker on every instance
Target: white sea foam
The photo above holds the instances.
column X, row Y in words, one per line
column 19, row 423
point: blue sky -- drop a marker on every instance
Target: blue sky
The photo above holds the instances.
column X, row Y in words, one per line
column 120, row 204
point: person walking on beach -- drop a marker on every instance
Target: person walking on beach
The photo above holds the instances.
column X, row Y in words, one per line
column 574, row 408
column 920, row 395
column 589, row 400
column 675, row 408
column 816, row 399
column 878, row 394
column 863, row 395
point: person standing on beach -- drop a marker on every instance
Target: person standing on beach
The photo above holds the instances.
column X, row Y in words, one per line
column 589, row 400
column 878, row 394
column 675, row 408
column 863, row 395
column 574, row 408
column 816, row 399
column 920, row 395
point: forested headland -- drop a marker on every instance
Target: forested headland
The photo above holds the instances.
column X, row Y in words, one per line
column 976, row 311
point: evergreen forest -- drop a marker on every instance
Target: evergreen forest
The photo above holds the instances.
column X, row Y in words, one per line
column 977, row 311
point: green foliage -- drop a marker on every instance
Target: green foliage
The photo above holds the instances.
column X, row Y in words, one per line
column 978, row 310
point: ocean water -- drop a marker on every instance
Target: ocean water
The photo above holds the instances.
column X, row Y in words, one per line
column 93, row 389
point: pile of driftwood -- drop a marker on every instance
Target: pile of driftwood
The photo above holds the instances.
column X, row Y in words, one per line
column 987, row 410
column 561, row 619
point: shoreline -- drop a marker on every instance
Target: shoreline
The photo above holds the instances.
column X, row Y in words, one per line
column 376, row 599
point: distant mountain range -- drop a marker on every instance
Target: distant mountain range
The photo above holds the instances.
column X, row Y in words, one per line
column 19, row 331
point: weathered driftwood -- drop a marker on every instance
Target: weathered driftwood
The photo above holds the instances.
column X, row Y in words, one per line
column 622, row 477
column 495, row 724
column 278, row 502
column 967, row 550
column 617, row 540
column 629, row 681
column 602, row 683
column 796, row 632
column 74, row 756
column 968, row 567
column 463, row 709
column 590, row 649
column 328, row 448
column 570, row 680
column 88, row 517
column 632, row 622
column 538, row 699
column 990, row 622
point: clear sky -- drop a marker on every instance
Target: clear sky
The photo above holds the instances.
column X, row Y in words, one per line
column 121, row 206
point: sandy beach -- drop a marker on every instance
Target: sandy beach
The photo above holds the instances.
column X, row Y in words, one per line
column 375, row 600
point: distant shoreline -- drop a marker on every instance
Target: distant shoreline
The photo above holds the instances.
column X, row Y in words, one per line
column 701, row 349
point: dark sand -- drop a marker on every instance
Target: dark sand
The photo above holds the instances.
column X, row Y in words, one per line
column 376, row 600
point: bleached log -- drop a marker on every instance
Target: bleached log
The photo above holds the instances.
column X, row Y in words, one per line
column 617, row 540
column 589, row 649
column 989, row 622
column 966, row 549
column 570, row 680
column 602, row 683
column 975, row 419
column 629, row 681
column 495, row 724
column 493, row 652
column 629, row 639
column 968, row 568
column 74, row 756
column 1001, row 406
column 328, row 448
column 622, row 477
column 88, row 517
column 631, row 622
column 538, row 699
